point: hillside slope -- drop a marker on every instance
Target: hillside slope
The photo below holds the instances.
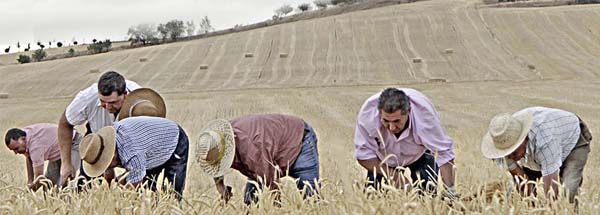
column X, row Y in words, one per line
column 372, row 47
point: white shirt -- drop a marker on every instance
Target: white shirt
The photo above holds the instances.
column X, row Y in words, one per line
column 87, row 107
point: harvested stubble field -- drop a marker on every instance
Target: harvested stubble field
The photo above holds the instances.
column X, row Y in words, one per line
column 333, row 65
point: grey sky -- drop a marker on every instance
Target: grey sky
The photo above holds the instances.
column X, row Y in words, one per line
column 29, row 21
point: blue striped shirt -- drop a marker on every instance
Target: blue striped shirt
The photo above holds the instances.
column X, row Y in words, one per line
column 144, row 143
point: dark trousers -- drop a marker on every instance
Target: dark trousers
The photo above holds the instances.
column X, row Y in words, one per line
column 175, row 168
column 425, row 168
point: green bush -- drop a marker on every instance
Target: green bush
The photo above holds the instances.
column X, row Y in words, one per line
column 71, row 52
column 100, row 47
column 24, row 59
column 39, row 54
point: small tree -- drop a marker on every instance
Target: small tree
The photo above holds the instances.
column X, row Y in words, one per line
column 283, row 10
column 175, row 28
column 205, row 26
column 163, row 31
column 23, row 59
column 322, row 3
column 142, row 33
column 39, row 54
column 190, row 28
column 304, row 7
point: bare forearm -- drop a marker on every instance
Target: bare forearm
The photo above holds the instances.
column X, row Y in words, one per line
column 447, row 172
column 30, row 176
column 65, row 139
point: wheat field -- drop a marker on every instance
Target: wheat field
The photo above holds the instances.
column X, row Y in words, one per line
column 502, row 60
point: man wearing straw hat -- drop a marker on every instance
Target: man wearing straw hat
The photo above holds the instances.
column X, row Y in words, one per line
column 540, row 142
column 38, row 143
column 398, row 129
column 97, row 105
column 263, row 148
column 143, row 144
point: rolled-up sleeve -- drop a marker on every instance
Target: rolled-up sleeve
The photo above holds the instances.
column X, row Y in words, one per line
column 136, row 166
column 77, row 111
column 365, row 147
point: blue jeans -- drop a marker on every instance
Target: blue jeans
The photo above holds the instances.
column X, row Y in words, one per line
column 175, row 168
column 425, row 168
column 305, row 168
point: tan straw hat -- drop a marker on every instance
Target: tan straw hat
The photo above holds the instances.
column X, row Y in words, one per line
column 505, row 135
column 97, row 151
column 143, row 102
column 218, row 139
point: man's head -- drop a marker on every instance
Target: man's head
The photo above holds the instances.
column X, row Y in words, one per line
column 15, row 140
column 112, row 91
column 394, row 109
column 520, row 151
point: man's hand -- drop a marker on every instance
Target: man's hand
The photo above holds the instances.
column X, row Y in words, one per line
column 109, row 174
column 67, row 172
column 225, row 193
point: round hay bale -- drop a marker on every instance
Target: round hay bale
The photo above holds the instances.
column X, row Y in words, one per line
column 94, row 70
column 143, row 59
column 248, row 55
column 417, row 60
column 283, row 55
column 531, row 66
column 3, row 95
column 203, row 66
column 448, row 51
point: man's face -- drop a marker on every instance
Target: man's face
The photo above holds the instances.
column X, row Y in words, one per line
column 519, row 152
column 395, row 122
column 113, row 102
column 18, row 146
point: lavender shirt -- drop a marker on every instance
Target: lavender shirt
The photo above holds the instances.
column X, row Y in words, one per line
column 424, row 132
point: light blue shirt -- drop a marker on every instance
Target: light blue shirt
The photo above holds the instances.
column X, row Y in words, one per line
column 145, row 143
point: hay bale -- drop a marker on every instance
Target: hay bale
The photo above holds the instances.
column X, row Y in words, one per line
column 94, row 70
column 283, row 55
column 531, row 66
column 437, row 80
column 203, row 66
column 143, row 59
column 417, row 60
column 3, row 95
column 248, row 55
column 448, row 51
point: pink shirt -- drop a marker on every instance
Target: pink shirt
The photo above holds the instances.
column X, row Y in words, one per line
column 42, row 143
column 424, row 132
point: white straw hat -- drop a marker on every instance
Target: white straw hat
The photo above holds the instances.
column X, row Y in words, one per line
column 505, row 134
column 219, row 135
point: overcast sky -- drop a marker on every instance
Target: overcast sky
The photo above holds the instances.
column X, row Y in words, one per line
column 29, row 21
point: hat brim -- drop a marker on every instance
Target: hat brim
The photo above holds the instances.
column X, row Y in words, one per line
column 223, row 166
column 143, row 94
column 108, row 153
column 488, row 148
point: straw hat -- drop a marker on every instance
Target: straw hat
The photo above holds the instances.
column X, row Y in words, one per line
column 143, row 102
column 505, row 135
column 217, row 138
column 97, row 151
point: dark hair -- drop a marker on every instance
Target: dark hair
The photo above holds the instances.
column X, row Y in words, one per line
column 392, row 100
column 110, row 82
column 13, row 134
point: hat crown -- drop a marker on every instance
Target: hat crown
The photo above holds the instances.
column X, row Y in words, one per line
column 91, row 148
column 208, row 141
column 505, row 130
column 143, row 107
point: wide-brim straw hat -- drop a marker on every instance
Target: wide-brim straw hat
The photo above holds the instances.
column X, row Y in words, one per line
column 217, row 134
column 505, row 134
column 97, row 151
column 143, row 102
